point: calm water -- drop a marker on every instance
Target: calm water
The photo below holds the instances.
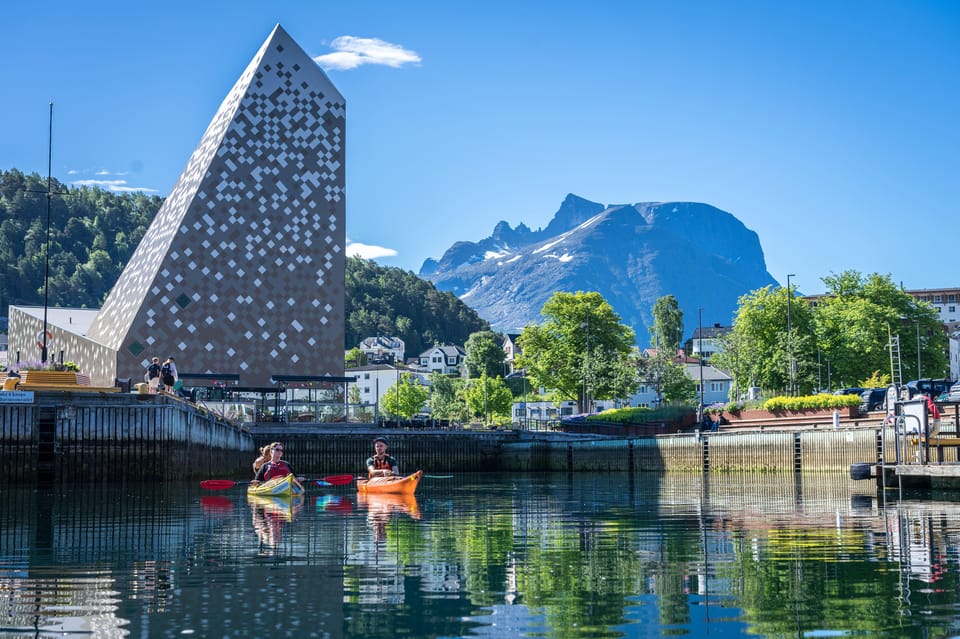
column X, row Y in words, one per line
column 484, row 556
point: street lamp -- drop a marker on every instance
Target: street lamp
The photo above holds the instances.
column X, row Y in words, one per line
column 789, row 333
column 586, row 366
column 700, row 348
column 46, row 250
column 919, row 376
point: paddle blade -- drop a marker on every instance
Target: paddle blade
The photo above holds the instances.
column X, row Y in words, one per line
column 338, row 480
column 217, row 484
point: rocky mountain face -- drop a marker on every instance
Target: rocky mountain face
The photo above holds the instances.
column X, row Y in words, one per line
column 632, row 254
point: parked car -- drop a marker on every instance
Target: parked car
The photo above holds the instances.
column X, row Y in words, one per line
column 873, row 399
column 954, row 394
column 932, row 388
column 849, row 391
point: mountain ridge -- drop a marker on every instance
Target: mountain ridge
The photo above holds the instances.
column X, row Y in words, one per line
column 631, row 253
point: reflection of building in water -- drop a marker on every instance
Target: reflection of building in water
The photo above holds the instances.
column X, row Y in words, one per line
column 915, row 542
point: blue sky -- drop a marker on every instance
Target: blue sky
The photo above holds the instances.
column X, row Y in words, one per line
column 828, row 128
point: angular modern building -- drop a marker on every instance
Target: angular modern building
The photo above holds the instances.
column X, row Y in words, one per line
column 242, row 270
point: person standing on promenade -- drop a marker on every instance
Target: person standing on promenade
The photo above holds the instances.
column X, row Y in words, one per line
column 168, row 374
column 152, row 376
column 381, row 464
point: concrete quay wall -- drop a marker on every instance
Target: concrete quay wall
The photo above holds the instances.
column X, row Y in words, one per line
column 74, row 437
column 769, row 451
column 90, row 437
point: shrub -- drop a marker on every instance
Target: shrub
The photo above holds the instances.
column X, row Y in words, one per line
column 639, row 415
column 810, row 402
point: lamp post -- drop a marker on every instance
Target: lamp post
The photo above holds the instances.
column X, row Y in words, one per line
column 700, row 348
column 919, row 376
column 46, row 250
column 524, row 399
column 789, row 334
column 586, row 366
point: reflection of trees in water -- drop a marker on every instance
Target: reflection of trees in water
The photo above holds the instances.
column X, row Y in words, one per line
column 570, row 555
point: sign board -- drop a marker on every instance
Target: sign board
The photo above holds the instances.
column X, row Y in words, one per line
column 16, row 397
column 893, row 396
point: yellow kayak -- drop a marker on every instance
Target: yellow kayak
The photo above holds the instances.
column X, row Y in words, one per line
column 278, row 486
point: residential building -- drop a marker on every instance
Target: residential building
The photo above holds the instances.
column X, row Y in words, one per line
column 442, row 359
column 382, row 349
column 716, row 385
column 946, row 301
column 953, row 343
column 510, row 350
column 375, row 380
column 709, row 339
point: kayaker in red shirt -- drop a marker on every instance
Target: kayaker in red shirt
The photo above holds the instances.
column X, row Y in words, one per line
column 276, row 467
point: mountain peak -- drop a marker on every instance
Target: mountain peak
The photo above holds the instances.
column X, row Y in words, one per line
column 573, row 211
column 632, row 254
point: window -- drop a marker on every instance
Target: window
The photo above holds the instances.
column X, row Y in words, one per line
column 366, row 390
column 366, row 375
column 952, row 309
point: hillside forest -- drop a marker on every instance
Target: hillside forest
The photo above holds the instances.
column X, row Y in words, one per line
column 94, row 232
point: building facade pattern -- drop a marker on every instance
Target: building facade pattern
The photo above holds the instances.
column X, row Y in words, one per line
column 242, row 270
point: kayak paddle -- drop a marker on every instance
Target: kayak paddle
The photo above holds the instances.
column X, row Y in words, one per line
column 223, row 484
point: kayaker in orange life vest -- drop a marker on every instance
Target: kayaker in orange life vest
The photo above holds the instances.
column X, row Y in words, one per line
column 382, row 464
column 275, row 467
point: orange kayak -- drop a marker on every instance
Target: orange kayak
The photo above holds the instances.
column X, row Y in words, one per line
column 390, row 485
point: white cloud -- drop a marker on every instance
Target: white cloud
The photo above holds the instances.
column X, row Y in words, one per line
column 115, row 186
column 368, row 252
column 351, row 52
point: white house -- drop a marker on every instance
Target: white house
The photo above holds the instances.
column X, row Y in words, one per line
column 716, row 386
column 374, row 380
column 709, row 340
column 510, row 350
column 383, row 349
column 442, row 359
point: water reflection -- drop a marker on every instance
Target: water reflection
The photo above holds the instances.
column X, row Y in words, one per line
column 485, row 555
column 271, row 513
column 381, row 507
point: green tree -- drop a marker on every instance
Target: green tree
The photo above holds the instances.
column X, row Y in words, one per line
column 405, row 398
column 667, row 329
column 392, row 301
column 857, row 318
column 355, row 357
column 484, row 355
column 488, row 396
column 446, row 398
column 581, row 350
column 670, row 379
column 760, row 351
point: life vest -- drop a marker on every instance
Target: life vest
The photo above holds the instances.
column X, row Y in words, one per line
column 382, row 463
column 280, row 469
